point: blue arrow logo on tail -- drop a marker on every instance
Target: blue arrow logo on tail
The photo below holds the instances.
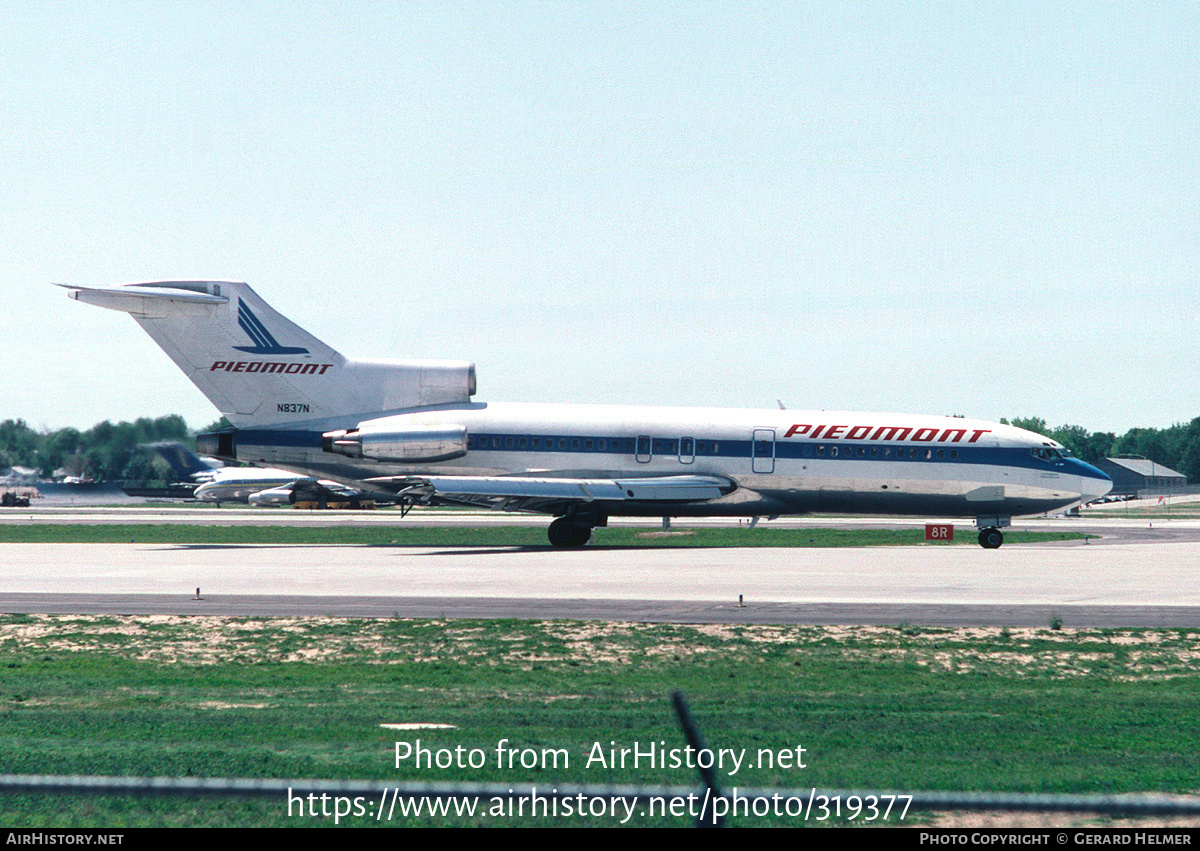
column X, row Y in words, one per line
column 267, row 345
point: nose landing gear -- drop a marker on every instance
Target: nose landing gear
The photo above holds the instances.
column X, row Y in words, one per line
column 991, row 539
column 990, row 536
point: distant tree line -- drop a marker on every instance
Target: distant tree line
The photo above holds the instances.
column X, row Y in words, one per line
column 1177, row 447
column 105, row 452
column 108, row 452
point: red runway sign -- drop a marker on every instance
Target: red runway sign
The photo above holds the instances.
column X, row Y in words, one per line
column 939, row 531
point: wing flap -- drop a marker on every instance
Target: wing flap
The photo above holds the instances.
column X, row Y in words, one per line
column 650, row 489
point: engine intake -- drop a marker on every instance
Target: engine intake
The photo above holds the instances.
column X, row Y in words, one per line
column 218, row 444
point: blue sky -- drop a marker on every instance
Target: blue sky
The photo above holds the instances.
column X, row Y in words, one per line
column 983, row 209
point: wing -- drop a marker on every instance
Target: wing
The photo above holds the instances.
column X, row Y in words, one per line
column 307, row 489
column 553, row 495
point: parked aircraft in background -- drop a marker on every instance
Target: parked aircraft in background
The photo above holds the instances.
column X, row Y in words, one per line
column 185, row 464
column 264, row 487
column 411, row 428
column 254, row 485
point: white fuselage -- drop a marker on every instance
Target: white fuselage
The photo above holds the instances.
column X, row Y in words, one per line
column 778, row 461
column 238, row 484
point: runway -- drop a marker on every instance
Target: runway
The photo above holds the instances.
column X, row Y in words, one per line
column 1122, row 581
column 1107, row 529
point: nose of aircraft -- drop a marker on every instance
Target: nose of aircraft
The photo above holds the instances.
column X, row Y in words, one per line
column 1093, row 483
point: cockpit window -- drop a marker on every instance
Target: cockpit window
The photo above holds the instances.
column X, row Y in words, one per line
column 1049, row 453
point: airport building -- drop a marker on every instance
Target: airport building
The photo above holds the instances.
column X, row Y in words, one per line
column 1140, row 476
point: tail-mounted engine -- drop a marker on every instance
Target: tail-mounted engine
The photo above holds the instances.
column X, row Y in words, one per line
column 397, row 441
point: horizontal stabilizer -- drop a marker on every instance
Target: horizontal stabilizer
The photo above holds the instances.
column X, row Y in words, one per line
column 157, row 302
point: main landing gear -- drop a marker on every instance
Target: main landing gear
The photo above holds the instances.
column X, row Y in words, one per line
column 575, row 529
column 565, row 532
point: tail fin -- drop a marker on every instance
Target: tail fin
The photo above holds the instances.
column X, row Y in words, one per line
column 261, row 369
column 185, row 464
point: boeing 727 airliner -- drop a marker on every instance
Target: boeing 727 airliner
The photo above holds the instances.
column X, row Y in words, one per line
column 411, row 428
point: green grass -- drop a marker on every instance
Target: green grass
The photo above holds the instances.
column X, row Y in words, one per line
column 905, row 708
column 488, row 536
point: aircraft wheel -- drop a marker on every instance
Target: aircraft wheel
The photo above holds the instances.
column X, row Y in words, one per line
column 991, row 539
column 564, row 533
